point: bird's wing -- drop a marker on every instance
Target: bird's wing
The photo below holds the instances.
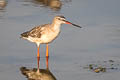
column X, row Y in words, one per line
column 36, row 31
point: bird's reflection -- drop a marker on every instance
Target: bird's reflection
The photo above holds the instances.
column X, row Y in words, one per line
column 53, row 4
column 38, row 74
column 3, row 4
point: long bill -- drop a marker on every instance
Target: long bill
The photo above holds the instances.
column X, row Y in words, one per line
column 67, row 22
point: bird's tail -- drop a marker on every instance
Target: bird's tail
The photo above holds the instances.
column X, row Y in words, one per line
column 24, row 35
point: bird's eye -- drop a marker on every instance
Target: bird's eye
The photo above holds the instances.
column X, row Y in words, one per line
column 59, row 19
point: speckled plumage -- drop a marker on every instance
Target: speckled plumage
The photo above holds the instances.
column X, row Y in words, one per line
column 41, row 34
column 35, row 32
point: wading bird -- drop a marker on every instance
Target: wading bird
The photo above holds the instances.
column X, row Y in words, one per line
column 46, row 33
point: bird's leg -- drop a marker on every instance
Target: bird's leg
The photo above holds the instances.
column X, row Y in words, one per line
column 47, row 52
column 38, row 54
column 47, row 62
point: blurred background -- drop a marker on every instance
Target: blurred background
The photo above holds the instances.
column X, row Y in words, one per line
column 98, row 40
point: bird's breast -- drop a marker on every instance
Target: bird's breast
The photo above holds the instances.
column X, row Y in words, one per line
column 49, row 36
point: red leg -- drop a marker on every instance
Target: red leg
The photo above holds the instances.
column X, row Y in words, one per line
column 38, row 54
column 47, row 52
column 47, row 62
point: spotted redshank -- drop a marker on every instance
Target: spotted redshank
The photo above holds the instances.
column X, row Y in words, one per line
column 46, row 33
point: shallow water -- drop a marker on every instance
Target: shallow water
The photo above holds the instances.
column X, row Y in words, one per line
column 98, row 40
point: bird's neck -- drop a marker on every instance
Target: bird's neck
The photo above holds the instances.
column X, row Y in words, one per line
column 55, row 25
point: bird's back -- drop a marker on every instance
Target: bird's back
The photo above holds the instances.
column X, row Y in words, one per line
column 35, row 32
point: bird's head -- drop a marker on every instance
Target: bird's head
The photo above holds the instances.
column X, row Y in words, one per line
column 62, row 20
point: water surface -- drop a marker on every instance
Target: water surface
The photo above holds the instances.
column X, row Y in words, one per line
column 98, row 40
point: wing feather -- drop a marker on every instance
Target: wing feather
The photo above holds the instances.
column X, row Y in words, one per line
column 36, row 32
